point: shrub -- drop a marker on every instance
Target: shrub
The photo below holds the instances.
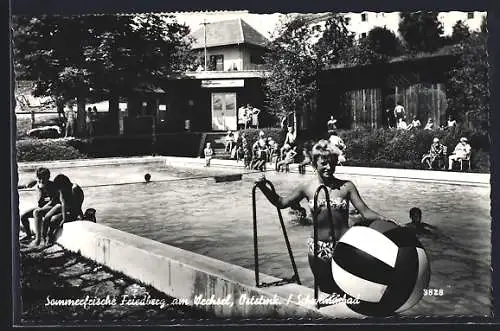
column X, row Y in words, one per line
column 29, row 150
column 404, row 149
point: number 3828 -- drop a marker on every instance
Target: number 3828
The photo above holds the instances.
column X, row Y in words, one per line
column 433, row 291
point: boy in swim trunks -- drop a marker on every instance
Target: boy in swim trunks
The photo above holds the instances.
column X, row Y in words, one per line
column 47, row 199
column 208, row 152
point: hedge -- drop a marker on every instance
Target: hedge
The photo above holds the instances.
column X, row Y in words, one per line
column 391, row 148
column 388, row 148
column 29, row 150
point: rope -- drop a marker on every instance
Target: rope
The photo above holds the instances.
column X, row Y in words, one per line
column 157, row 181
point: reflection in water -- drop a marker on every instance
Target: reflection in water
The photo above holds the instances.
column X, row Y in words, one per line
column 215, row 219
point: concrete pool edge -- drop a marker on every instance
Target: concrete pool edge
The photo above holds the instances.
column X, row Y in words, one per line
column 185, row 275
column 445, row 177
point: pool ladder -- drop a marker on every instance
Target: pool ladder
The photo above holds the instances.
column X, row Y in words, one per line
column 295, row 278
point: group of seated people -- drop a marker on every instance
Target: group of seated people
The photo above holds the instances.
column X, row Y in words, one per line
column 266, row 150
column 59, row 201
column 416, row 124
column 436, row 158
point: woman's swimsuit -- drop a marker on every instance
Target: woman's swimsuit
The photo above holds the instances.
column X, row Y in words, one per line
column 325, row 248
column 336, row 203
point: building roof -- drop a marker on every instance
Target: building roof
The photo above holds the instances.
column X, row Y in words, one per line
column 443, row 52
column 229, row 32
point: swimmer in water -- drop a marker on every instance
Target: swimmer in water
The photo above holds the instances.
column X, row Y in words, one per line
column 342, row 192
column 420, row 227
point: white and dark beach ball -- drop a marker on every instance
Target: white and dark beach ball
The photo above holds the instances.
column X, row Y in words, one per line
column 383, row 265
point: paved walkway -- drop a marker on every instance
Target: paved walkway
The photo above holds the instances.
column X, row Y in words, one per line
column 53, row 279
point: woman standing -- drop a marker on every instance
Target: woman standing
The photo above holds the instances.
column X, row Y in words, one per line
column 342, row 192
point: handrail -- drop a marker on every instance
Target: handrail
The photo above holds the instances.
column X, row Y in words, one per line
column 295, row 277
column 315, row 230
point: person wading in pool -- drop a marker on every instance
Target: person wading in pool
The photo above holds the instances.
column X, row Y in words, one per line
column 324, row 160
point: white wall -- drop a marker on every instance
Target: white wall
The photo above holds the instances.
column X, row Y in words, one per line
column 232, row 54
column 450, row 18
column 391, row 21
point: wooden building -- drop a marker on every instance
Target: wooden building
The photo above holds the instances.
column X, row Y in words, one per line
column 358, row 96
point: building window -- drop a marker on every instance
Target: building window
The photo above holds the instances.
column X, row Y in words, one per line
column 347, row 20
column 363, row 35
column 256, row 59
column 363, row 17
column 216, row 63
column 470, row 15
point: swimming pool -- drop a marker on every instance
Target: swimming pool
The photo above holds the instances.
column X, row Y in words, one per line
column 186, row 208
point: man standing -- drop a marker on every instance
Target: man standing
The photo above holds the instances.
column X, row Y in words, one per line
column 70, row 121
column 255, row 116
column 399, row 112
column 242, row 117
column 331, row 125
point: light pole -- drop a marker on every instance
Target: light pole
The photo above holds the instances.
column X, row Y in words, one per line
column 205, row 44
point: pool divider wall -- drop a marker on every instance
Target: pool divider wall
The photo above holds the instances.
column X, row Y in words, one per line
column 186, row 275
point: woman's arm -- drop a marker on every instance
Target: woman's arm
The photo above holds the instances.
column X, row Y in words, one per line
column 360, row 205
column 281, row 202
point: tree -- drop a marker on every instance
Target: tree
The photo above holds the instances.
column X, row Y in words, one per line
column 292, row 67
column 421, row 31
column 336, row 42
column 383, row 42
column 299, row 52
column 460, row 32
column 467, row 88
column 98, row 55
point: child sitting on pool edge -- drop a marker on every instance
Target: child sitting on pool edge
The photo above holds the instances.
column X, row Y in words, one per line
column 208, row 152
column 48, row 197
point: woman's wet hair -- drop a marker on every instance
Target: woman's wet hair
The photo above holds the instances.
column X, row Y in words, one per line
column 61, row 181
column 324, row 149
column 43, row 173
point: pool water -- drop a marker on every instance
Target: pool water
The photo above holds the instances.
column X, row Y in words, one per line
column 186, row 208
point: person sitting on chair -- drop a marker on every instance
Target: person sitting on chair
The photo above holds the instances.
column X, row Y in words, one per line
column 462, row 152
column 306, row 152
column 436, row 154
column 429, row 125
column 289, row 158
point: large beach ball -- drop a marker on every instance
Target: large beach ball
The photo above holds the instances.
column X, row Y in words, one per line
column 383, row 265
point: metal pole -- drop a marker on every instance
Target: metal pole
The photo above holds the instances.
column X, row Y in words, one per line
column 205, row 44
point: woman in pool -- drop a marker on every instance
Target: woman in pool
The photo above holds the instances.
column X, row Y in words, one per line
column 324, row 160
